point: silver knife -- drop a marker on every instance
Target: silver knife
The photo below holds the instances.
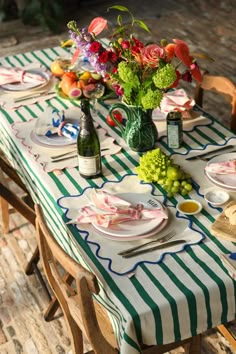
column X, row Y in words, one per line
column 221, row 148
column 159, row 247
column 65, row 157
column 34, row 95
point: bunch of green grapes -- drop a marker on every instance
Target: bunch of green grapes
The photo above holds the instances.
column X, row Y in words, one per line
column 156, row 166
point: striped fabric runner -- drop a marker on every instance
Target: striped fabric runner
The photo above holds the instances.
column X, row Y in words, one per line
column 184, row 295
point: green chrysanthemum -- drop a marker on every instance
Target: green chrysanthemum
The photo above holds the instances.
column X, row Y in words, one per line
column 165, row 77
column 152, row 99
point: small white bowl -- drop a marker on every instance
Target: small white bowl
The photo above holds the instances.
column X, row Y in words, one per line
column 217, row 197
column 189, row 207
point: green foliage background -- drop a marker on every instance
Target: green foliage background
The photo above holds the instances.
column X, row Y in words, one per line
column 45, row 13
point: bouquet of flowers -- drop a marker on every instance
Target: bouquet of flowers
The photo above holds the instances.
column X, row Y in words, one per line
column 140, row 73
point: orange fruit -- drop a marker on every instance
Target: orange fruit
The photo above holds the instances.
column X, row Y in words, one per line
column 66, row 84
column 71, row 74
column 56, row 68
column 80, row 83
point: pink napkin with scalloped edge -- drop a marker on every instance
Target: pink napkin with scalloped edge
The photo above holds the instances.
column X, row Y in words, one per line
column 13, row 75
column 107, row 209
column 177, row 100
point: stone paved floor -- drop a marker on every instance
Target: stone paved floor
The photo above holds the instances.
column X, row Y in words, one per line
column 208, row 26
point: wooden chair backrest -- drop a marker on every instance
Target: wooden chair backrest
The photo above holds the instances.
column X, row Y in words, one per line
column 221, row 85
column 11, row 197
column 82, row 314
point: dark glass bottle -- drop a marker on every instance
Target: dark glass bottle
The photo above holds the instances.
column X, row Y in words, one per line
column 174, row 129
column 88, row 145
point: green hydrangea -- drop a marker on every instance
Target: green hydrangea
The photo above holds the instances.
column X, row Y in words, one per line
column 165, row 77
column 126, row 73
column 151, row 99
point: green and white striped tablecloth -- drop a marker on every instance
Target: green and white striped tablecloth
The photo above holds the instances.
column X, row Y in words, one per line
column 182, row 296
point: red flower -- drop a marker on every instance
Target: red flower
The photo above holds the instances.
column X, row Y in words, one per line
column 195, row 71
column 182, row 52
column 125, row 44
column 112, row 56
column 138, row 43
column 178, row 76
column 95, row 47
column 103, row 57
column 170, row 51
column 186, row 76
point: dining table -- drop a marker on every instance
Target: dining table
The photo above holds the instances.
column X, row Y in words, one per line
column 153, row 298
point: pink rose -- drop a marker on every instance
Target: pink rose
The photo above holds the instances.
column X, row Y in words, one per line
column 150, row 55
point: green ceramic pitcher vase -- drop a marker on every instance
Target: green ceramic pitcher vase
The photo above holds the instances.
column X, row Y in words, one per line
column 140, row 132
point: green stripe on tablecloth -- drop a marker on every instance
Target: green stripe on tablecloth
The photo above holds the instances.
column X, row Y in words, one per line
column 200, row 284
column 152, row 305
column 8, row 60
column 204, row 135
column 193, row 138
column 122, row 164
column 113, row 286
column 26, row 58
column 47, row 55
column 39, row 106
column 217, row 280
column 131, row 343
column 27, row 108
column 18, row 59
column 8, row 117
column 130, row 158
column 39, row 59
column 189, row 295
column 170, row 299
column 111, row 169
column 23, row 119
column 55, row 52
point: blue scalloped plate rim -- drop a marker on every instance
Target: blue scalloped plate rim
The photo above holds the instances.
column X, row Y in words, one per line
column 109, row 260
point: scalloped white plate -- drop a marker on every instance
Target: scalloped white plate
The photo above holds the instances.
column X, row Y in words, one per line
column 224, row 181
column 134, row 228
column 23, row 86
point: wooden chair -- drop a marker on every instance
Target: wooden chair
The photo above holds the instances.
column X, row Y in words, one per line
column 221, row 85
column 85, row 317
column 25, row 206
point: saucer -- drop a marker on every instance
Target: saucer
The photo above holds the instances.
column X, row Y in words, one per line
column 217, row 197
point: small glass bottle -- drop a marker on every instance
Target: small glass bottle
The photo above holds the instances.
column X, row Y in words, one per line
column 88, row 145
column 174, row 129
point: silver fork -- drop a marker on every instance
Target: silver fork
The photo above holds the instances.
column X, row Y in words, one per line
column 163, row 239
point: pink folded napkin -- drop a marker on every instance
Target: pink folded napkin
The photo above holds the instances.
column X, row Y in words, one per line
column 14, row 75
column 223, row 168
column 114, row 210
column 177, row 100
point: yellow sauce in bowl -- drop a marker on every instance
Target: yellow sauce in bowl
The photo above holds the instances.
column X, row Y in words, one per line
column 189, row 207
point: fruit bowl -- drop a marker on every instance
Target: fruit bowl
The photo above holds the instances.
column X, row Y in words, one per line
column 79, row 85
column 108, row 94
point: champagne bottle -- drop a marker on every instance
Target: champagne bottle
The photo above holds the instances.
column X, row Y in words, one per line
column 88, row 145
